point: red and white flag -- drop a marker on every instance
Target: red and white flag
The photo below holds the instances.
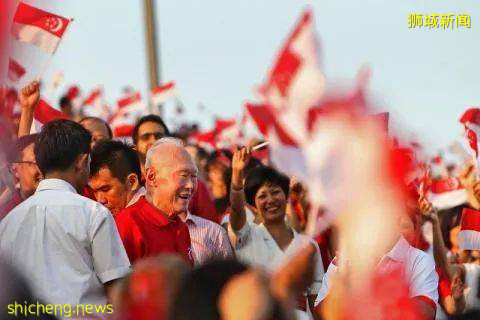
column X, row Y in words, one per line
column 471, row 121
column 38, row 27
column 15, row 70
column 446, row 193
column 296, row 81
column 93, row 105
column 162, row 93
column 44, row 113
column 469, row 236
column 132, row 103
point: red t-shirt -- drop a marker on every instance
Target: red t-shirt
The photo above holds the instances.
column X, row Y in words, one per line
column 146, row 231
column 15, row 201
column 202, row 205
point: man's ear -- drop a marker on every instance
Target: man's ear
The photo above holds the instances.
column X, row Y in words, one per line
column 133, row 181
column 81, row 162
column 150, row 176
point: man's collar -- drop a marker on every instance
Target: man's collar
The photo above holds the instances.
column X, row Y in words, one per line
column 55, row 184
column 399, row 251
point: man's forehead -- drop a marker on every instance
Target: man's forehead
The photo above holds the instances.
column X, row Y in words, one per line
column 27, row 153
column 150, row 127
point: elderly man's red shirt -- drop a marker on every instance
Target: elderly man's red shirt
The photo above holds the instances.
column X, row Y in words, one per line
column 147, row 231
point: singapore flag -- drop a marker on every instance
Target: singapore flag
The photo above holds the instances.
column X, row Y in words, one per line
column 38, row 27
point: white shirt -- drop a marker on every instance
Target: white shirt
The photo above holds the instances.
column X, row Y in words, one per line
column 254, row 245
column 419, row 270
column 209, row 240
column 66, row 245
column 140, row 192
column 472, row 283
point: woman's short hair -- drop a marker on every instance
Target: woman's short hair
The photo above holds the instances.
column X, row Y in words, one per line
column 260, row 176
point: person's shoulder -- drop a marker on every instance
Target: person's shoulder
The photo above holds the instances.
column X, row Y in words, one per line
column 420, row 258
column 126, row 214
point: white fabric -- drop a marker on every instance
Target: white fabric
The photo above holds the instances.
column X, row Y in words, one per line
column 447, row 200
column 66, row 245
column 472, row 282
column 209, row 240
column 140, row 192
column 469, row 240
column 36, row 36
column 418, row 266
column 254, row 245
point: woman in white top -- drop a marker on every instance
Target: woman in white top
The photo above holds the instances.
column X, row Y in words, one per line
column 272, row 242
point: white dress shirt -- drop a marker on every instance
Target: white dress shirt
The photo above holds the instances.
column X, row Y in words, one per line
column 254, row 245
column 66, row 245
column 472, row 283
column 209, row 240
column 418, row 267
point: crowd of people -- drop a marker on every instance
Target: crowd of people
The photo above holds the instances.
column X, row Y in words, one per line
column 161, row 228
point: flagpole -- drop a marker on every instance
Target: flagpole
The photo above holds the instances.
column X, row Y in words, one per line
column 153, row 64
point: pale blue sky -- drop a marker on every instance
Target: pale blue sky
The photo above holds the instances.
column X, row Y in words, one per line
column 217, row 51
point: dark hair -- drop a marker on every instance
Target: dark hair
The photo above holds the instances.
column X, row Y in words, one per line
column 110, row 134
column 20, row 145
column 202, row 288
column 59, row 144
column 64, row 101
column 118, row 157
column 148, row 118
column 260, row 176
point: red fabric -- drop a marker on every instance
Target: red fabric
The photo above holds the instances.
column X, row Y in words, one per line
column 146, row 231
column 202, row 204
column 45, row 113
column 323, row 240
column 444, row 285
column 88, row 193
column 6, row 208
column 54, row 24
column 302, row 303
column 470, row 220
column 429, row 301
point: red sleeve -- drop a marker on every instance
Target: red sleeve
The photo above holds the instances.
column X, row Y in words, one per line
column 129, row 234
column 444, row 285
column 202, row 204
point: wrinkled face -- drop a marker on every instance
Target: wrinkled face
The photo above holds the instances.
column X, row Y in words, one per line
column 27, row 172
column 98, row 131
column 110, row 191
column 271, row 202
column 172, row 183
column 148, row 133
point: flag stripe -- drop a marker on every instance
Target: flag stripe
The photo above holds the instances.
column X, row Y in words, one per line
column 45, row 113
column 47, row 21
column 36, row 36
column 470, row 220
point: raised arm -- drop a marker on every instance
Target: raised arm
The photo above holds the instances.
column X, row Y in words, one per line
column 237, row 196
column 28, row 98
column 439, row 249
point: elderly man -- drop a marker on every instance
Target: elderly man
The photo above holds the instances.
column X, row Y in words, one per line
column 159, row 222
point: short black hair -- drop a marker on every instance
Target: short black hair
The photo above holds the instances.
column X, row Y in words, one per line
column 118, row 157
column 202, row 288
column 263, row 175
column 59, row 144
column 148, row 118
column 64, row 101
column 110, row 133
column 19, row 145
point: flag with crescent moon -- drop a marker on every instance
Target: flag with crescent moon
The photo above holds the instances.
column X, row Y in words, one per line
column 38, row 27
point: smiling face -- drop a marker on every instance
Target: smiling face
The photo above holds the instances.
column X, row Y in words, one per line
column 271, row 203
column 171, row 181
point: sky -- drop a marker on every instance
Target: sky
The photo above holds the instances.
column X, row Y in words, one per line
column 218, row 51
